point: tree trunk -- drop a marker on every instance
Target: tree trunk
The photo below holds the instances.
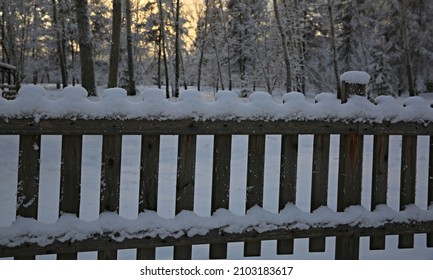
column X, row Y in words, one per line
column 202, row 44
column 60, row 46
column 115, row 44
column 226, row 38
column 284, row 46
column 131, row 80
column 159, row 46
column 217, row 58
column 177, row 49
column 406, row 49
column 334, row 49
column 73, row 61
column 164, row 51
column 86, row 47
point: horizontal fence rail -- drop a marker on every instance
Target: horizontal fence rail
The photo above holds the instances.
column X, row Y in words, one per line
column 217, row 127
column 350, row 178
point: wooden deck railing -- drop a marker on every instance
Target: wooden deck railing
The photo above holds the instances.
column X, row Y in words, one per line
column 9, row 82
column 350, row 177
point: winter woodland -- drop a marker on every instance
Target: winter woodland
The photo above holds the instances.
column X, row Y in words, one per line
column 251, row 47
column 274, row 45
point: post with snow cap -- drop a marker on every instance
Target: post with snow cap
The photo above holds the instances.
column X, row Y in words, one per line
column 350, row 166
column 353, row 83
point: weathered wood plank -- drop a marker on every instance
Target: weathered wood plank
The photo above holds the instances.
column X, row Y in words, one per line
column 70, row 180
column 319, row 187
column 407, row 182
column 379, row 181
column 349, row 189
column 220, row 185
column 70, row 174
column 255, row 180
column 28, row 178
column 185, row 184
column 110, row 181
column 217, row 127
column 288, row 179
column 430, row 188
column 215, row 236
column 149, row 172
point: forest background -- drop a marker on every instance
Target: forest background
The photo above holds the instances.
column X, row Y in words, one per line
column 270, row 45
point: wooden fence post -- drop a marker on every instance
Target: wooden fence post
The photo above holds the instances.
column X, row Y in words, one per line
column 408, row 181
column 288, row 179
column 319, row 186
column 220, row 185
column 379, row 182
column 185, row 185
column 149, row 172
column 110, row 181
column 255, row 177
column 430, row 189
column 28, row 178
column 353, row 83
column 70, row 180
column 350, row 165
column 349, row 189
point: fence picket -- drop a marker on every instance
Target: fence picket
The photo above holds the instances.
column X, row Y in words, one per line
column 70, row 180
column 288, row 174
column 185, row 184
column 28, row 179
column 379, row 182
column 319, row 188
column 407, row 182
column 110, row 181
column 349, row 189
column 220, row 185
column 149, row 171
column 255, row 177
column 430, row 189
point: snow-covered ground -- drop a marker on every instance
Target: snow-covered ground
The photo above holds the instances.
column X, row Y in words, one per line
column 50, row 178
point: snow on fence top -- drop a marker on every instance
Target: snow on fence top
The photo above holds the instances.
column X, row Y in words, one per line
column 34, row 102
column 355, row 77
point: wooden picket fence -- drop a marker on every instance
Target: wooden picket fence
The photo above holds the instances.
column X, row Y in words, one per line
column 9, row 82
column 350, row 176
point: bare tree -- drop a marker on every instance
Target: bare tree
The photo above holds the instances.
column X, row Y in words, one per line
column 131, row 73
column 201, row 43
column 226, row 38
column 334, row 48
column 284, row 46
column 115, row 44
column 406, row 50
column 86, row 47
column 177, row 49
column 60, row 46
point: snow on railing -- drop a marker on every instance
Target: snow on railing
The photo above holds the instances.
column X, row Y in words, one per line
column 34, row 102
column 149, row 224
